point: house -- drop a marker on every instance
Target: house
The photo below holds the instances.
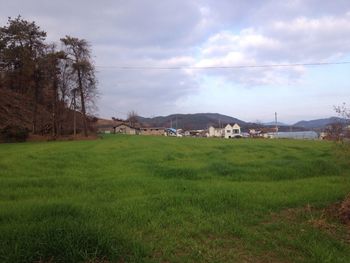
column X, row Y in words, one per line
column 106, row 126
column 268, row 132
column 229, row 131
column 215, row 131
column 187, row 133
column 255, row 133
column 126, row 129
column 232, row 131
column 170, row 132
column 196, row 133
column 105, row 129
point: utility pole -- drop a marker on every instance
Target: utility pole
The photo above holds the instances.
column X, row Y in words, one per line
column 276, row 128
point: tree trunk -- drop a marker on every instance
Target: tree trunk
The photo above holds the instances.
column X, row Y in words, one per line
column 54, row 107
column 35, row 107
column 82, row 100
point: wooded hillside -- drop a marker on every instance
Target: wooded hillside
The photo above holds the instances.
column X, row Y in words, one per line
column 44, row 90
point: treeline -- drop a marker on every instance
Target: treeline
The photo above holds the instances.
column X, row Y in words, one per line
column 57, row 81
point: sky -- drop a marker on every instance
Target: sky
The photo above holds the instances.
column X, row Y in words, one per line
column 186, row 34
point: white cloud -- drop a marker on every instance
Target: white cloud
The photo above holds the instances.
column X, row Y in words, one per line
column 300, row 40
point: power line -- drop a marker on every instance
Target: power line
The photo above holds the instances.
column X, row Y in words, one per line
column 223, row 67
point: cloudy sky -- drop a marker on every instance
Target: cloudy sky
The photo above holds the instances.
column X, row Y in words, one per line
column 186, row 34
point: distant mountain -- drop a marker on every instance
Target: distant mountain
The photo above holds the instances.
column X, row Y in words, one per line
column 201, row 121
column 274, row 123
column 319, row 123
column 195, row 121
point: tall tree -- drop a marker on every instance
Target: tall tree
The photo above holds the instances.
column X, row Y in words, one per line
column 52, row 74
column 132, row 118
column 21, row 47
column 21, row 51
column 78, row 52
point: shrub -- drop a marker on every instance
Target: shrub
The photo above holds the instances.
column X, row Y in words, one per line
column 14, row 133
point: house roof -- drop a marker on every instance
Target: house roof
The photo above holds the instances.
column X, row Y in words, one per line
column 171, row 130
column 125, row 124
column 223, row 125
column 232, row 124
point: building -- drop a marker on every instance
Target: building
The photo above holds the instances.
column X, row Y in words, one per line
column 195, row 133
column 215, row 131
column 310, row 135
column 232, row 131
column 229, row 131
column 106, row 126
column 124, row 128
column 105, row 129
column 170, row 132
column 152, row 131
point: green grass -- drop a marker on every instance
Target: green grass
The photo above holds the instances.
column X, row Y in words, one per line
column 158, row 199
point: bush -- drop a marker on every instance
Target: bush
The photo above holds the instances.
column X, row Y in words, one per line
column 14, row 133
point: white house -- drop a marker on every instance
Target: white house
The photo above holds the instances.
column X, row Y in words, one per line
column 229, row 131
column 215, row 131
column 232, row 131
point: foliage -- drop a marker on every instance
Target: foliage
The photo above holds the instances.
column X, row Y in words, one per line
column 161, row 199
column 21, row 47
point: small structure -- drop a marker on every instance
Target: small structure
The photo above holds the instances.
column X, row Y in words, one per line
column 196, row 133
column 170, row 132
column 105, row 129
column 106, row 126
column 255, row 133
column 310, row 135
column 126, row 129
column 160, row 131
column 215, row 131
column 186, row 133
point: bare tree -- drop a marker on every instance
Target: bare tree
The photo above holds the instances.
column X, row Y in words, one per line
column 78, row 51
column 334, row 131
column 132, row 118
column 344, row 112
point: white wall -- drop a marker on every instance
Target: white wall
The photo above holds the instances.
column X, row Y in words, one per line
column 232, row 131
column 215, row 132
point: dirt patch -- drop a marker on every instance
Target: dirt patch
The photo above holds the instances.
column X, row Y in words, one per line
column 333, row 220
column 339, row 211
column 344, row 211
column 224, row 248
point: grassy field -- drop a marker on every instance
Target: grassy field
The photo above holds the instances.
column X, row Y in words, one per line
column 158, row 199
